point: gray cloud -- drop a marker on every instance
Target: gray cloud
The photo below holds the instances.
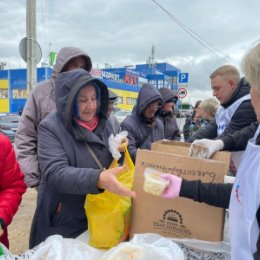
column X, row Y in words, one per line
column 122, row 32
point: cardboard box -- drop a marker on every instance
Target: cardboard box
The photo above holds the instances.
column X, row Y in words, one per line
column 181, row 148
column 179, row 217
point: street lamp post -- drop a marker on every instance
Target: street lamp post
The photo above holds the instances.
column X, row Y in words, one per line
column 31, row 44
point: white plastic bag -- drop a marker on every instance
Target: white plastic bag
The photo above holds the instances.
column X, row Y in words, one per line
column 25, row 256
column 114, row 142
column 58, row 248
column 145, row 247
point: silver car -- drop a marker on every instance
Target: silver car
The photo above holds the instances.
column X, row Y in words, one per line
column 122, row 114
column 9, row 125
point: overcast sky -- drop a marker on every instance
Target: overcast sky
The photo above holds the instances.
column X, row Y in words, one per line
column 122, row 32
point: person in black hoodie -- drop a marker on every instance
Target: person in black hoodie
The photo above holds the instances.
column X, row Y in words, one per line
column 142, row 125
column 243, row 197
column 166, row 114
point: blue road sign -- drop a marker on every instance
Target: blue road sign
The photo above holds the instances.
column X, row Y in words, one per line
column 183, row 77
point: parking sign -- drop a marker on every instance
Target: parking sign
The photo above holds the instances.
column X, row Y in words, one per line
column 183, row 77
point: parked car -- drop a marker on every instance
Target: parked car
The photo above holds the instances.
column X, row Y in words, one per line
column 188, row 113
column 9, row 125
column 178, row 113
column 116, row 109
column 122, row 114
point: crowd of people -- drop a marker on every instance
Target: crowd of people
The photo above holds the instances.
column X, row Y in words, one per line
column 62, row 147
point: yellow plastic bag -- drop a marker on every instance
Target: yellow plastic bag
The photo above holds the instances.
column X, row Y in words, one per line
column 109, row 214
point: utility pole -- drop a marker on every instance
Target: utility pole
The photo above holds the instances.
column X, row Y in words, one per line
column 31, row 44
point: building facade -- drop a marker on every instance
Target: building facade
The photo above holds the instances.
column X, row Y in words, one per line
column 125, row 82
column 13, row 90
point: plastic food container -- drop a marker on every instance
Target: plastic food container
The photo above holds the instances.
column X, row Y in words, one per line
column 153, row 183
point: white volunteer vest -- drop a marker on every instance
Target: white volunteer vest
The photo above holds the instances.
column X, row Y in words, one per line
column 244, row 203
column 224, row 115
column 223, row 118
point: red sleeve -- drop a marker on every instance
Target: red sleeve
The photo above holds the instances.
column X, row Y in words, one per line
column 12, row 184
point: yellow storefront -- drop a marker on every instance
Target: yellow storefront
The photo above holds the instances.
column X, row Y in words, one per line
column 4, row 96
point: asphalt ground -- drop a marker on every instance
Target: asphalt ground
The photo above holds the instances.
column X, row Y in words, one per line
column 19, row 230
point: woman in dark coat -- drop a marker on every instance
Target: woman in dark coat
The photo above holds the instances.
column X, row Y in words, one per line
column 73, row 154
column 192, row 123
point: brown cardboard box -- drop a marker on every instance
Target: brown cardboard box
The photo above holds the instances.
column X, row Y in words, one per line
column 181, row 148
column 180, row 217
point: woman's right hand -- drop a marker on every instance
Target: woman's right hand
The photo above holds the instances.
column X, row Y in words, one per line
column 108, row 181
column 123, row 145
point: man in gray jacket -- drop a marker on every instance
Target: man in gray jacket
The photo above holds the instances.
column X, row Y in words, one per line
column 39, row 104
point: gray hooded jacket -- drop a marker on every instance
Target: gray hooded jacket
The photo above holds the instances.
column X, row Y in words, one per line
column 38, row 105
column 69, row 172
column 140, row 135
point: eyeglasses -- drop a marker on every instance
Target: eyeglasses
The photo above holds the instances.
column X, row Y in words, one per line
column 154, row 105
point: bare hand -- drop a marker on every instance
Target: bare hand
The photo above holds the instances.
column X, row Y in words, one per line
column 123, row 144
column 108, row 181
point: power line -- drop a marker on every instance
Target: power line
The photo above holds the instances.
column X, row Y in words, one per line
column 194, row 35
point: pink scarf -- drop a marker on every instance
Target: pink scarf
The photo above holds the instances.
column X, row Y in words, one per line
column 91, row 125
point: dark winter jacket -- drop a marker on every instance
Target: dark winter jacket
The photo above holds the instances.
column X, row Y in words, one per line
column 215, row 194
column 68, row 170
column 140, row 134
column 12, row 185
column 237, row 133
column 187, row 127
column 171, row 129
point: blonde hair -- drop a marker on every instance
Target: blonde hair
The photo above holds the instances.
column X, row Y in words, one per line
column 210, row 105
column 251, row 66
column 227, row 72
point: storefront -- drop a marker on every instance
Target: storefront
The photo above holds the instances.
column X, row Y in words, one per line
column 125, row 82
column 13, row 90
